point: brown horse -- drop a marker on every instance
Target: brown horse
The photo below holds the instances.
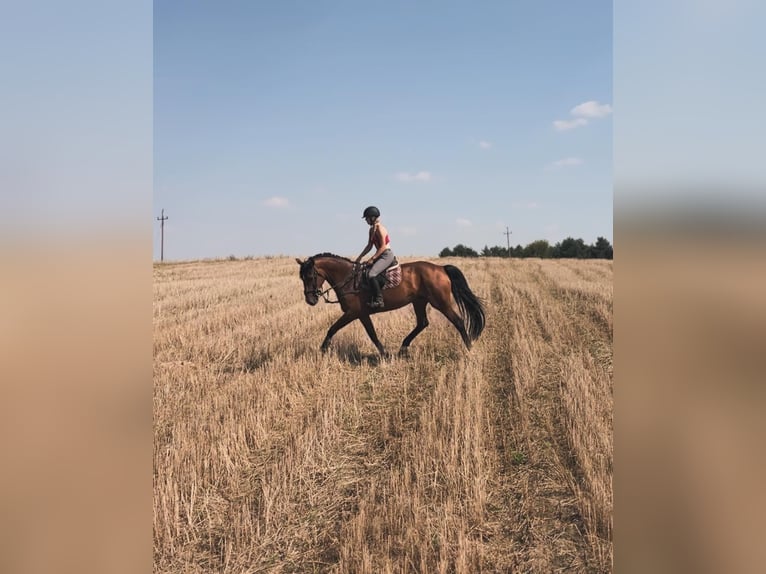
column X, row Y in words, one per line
column 443, row 286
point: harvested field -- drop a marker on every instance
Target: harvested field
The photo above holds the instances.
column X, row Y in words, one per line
column 271, row 457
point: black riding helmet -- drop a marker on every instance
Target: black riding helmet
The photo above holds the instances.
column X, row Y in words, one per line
column 371, row 211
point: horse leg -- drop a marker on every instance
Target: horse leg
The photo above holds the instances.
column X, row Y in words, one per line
column 370, row 328
column 422, row 322
column 344, row 320
column 445, row 306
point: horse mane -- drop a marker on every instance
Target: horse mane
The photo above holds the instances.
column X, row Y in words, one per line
column 332, row 256
column 306, row 265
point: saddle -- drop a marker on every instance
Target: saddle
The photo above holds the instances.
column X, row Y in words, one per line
column 392, row 275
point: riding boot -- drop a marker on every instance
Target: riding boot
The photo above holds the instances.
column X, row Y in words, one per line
column 376, row 302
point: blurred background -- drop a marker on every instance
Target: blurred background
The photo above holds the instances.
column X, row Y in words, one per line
column 690, row 279
column 76, row 289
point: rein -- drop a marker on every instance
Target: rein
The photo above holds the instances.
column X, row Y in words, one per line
column 324, row 294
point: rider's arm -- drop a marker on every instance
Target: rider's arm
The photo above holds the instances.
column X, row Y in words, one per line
column 366, row 249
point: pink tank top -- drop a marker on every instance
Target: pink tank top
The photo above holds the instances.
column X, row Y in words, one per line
column 375, row 240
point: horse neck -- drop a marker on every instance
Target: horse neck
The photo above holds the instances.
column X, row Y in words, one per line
column 334, row 269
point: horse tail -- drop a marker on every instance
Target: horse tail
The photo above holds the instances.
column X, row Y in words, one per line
column 471, row 306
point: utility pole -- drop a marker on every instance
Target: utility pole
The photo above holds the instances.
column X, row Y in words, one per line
column 507, row 234
column 162, row 235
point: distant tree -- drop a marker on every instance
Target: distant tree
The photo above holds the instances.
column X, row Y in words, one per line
column 540, row 248
column 602, row 249
column 496, row 251
column 571, row 248
column 568, row 248
column 461, row 250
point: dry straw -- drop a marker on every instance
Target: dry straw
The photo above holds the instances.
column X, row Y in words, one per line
column 271, row 457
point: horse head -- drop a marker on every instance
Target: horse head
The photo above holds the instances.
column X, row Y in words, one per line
column 315, row 270
column 312, row 281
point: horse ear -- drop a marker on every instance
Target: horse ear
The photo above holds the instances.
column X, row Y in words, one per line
column 299, row 261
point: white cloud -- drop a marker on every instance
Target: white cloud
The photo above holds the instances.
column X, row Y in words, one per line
column 591, row 109
column 566, row 162
column 485, row 144
column 533, row 205
column 463, row 222
column 582, row 113
column 405, row 177
column 563, row 125
column 279, row 202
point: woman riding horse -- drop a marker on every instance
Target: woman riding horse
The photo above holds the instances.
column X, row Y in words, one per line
column 381, row 259
column 443, row 286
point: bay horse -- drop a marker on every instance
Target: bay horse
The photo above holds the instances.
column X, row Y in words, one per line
column 422, row 282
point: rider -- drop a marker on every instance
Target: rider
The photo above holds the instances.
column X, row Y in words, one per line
column 382, row 258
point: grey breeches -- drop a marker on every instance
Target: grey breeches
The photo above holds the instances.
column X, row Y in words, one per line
column 382, row 262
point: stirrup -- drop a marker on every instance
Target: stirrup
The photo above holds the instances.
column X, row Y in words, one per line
column 376, row 303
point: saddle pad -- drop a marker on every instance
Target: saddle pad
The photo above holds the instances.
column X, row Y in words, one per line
column 393, row 276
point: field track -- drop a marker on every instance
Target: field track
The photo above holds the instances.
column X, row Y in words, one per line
column 271, row 457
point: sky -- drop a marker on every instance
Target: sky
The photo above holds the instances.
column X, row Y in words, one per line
column 277, row 123
column 690, row 129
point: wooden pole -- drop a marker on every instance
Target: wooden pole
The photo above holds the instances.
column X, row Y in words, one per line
column 162, row 235
column 508, row 238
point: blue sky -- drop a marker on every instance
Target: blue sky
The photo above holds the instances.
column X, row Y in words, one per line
column 690, row 93
column 276, row 124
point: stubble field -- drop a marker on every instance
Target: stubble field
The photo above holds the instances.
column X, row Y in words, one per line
column 271, row 457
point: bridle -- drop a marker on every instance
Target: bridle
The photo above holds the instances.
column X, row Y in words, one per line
column 316, row 291
column 324, row 294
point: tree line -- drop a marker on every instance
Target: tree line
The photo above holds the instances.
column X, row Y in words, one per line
column 567, row 248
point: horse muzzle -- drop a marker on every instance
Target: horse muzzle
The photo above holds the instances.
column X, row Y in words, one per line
column 312, row 297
